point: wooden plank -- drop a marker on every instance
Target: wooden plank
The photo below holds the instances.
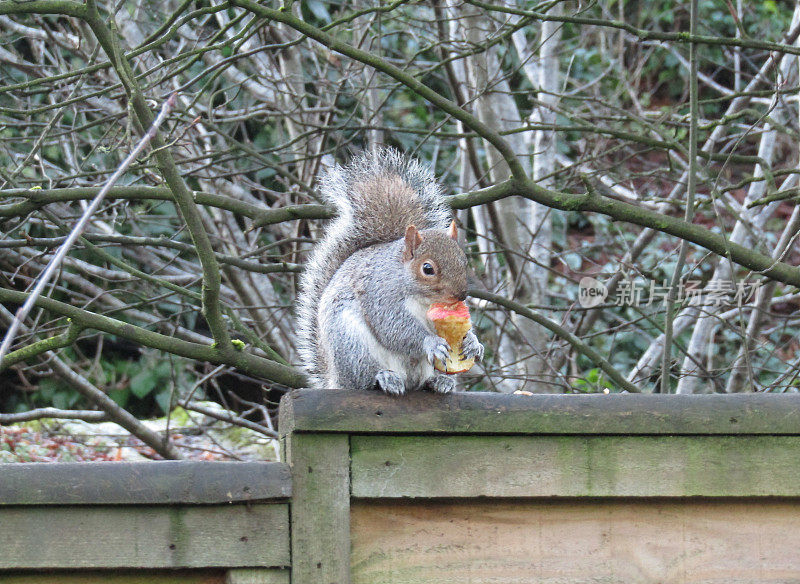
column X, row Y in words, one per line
column 575, row 466
column 567, row 542
column 146, row 483
column 236, row 576
column 144, row 537
column 257, row 576
column 495, row 413
column 115, row 577
column 320, row 508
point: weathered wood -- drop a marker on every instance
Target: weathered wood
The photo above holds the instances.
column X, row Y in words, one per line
column 320, row 508
column 257, row 576
column 575, row 466
column 115, row 577
column 495, row 413
column 146, row 483
column 144, row 537
column 645, row 542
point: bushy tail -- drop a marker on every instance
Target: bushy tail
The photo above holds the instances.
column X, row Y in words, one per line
column 376, row 196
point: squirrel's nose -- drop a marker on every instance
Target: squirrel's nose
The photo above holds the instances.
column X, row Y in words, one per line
column 462, row 296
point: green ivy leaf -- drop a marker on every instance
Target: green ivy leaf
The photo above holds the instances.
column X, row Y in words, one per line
column 142, row 383
column 163, row 399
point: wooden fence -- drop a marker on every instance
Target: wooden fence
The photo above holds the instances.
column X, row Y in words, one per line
column 466, row 488
column 136, row 523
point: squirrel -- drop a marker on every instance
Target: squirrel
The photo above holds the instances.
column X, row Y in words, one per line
column 391, row 252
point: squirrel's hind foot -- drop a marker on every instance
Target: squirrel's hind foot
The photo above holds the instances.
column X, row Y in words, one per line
column 390, row 382
column 442, row 384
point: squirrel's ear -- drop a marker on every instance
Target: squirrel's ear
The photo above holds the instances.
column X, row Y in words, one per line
column 453, row 231
column 413, row 240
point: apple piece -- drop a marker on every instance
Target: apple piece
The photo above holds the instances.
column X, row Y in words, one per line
column 452, row 323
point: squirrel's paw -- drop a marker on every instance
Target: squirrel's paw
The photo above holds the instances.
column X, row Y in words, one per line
column 390, row 382
column 471, row 347
column 436, row 348
column 442, row 383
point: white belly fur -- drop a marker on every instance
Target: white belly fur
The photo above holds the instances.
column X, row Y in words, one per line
column 386, row 358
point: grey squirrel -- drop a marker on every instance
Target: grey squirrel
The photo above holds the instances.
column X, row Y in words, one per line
column 389, row 254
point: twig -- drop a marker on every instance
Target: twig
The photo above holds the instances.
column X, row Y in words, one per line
column 245, row 361
column 53, row 413
column 115, row 413
column 62, row 251
column 227, row 417
column 560, row 331
column 689, row 212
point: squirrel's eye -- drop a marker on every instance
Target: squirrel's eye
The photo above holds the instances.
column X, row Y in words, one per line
column 427, row 269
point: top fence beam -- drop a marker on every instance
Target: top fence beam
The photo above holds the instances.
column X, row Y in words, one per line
column 143, row 483
column 353, row 412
